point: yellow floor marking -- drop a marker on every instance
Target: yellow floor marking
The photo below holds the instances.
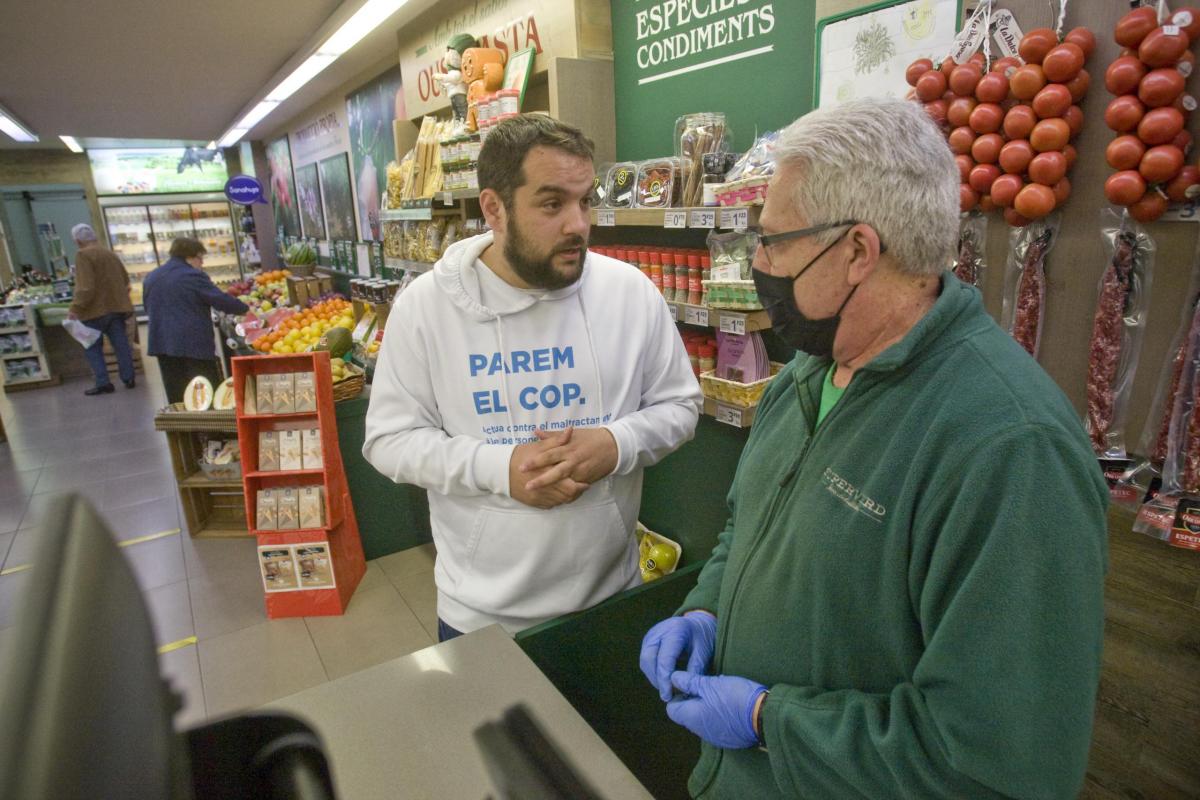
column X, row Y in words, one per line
column 179, row 645
column 18, row 568
column 149, row 537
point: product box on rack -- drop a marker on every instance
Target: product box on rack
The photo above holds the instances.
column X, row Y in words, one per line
column 316, row 566
column 265, row 393
column 249, row 396
column 313, row 458
column 278, row 567
column 306, row 392
column 312, row 507
column 266, row 510
column 285, row 393
column 289, row 509
column 290, row 450
column 268, row 451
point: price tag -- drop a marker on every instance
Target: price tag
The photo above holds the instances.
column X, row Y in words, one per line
column 703, row 218
column 674, row 309
column 735, row 218
column 447, row 198
column 727, row 272
column 675, row 219
column 695, row 315
column 606, row 217
column 730, row 415
column 733, row 323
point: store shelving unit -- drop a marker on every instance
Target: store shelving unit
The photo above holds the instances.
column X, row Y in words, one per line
column 211, row 508
column 406, row 265
column 16, row 366
column 339, row 534
column 705, row 217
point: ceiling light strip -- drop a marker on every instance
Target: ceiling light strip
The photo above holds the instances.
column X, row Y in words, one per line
column 71, row 144
column 14, row 129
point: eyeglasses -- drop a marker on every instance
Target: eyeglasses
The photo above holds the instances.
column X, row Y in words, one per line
column 767, row 241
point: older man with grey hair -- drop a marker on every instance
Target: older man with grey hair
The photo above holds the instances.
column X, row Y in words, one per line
column 907, row 600
column 102, row 302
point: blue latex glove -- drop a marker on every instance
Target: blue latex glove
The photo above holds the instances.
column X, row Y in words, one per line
column 719, row 709
column 695, row 633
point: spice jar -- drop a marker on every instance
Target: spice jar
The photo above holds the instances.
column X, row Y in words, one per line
column 693, row 351
column 708, row 358
column 695, row 280
column 656, row 271
column 682, row 280
column 667, row 270
column 510, row 101
column 643, row 263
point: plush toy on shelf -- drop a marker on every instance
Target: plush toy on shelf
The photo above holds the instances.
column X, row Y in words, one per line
column 483, row 70
column 452, row 79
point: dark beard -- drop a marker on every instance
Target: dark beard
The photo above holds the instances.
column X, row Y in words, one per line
column 537, row 269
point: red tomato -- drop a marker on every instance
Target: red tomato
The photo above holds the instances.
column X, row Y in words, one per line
column 1125, row 152
column 981, row 177
column 965, row 165
column 1124, row 75
column 1132, row 28
column 1036, row 44
column 1052, row 101
column 916, row 69
column 1162, row 49
column 1034, row 201
column 1005, row 189
column 1074, row 118
column 961, row 140
column 1019, row 122
column 1160, row 126
column 1027, row 81
column 1062, row 190
column 947, row 66
column 937, row 111
column 1079, row 85
column 959, row 111
column 1124, row 113
column 1177, row 189
column 1050, row 134
column 1013, row 218
column 1048, row 168
column 931, row 86
column 1071, row 153
column 1183, row 140
column 1160, row 87
column 1152, row 206
column 986, row 118
column 1015, row 156
column 968, row 198
column 1161, row 164
column 1002, row 65
column 1063, row 62
column 964, row 78
column 1083, row 38
column 992, row 88
column 987, row 204
column 1189, row 20
column 1125, row 187
column 986, row 148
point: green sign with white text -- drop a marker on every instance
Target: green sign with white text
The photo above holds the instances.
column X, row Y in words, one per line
column 751, row 59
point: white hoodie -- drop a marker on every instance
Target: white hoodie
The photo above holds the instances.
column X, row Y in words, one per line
column 459, row 384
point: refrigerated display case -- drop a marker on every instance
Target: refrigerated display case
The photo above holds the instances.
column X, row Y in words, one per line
column 140, row 232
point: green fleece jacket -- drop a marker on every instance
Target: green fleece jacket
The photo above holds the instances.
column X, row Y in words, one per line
column 919, row 582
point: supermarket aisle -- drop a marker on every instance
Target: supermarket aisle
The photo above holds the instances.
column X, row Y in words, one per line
column 204, row 596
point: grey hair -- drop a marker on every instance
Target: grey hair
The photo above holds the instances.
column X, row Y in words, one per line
column 883, row 162
column 83, row 233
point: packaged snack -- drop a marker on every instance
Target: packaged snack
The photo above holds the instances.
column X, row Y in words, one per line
column 412, row 240
column 430, row 247
column 311, row 454
column 284, row 393
column 265, row 393
column 1023, row 310
column 657, row 184
column 972, row 237
column 697, row 135
column 450, row 236
column 266, row 510
column 620, row 185
column 289, row 510
column 732, row 254
column 249, row 396
column 306, row 392
column 312, row 507
column 290, row 450
column 268, row 451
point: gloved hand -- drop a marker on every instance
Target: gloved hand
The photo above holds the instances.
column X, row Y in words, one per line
column 695, row 633
column 719, row 709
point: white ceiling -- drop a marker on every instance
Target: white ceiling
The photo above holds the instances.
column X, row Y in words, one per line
column 170, row 69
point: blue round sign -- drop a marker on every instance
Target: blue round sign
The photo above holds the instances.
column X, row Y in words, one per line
column 244, row 190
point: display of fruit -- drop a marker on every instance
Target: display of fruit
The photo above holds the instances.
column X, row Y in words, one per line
column 336, row 340
column 1149, row 112
column 262, row 292
column 198, row 396
column 300, row 254
column 301, row 331
column 1010, row 123
column 224, row 399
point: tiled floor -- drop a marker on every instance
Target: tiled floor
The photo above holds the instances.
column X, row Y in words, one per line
column 107, row 449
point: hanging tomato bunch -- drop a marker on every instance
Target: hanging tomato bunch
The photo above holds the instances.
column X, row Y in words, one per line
column 1011, row 126
column 1150, row 112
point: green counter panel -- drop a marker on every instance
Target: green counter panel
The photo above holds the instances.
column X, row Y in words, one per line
column 391, row 516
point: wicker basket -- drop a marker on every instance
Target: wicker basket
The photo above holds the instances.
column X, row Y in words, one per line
column 734, row 393
column 351, row 387
column 301, row 270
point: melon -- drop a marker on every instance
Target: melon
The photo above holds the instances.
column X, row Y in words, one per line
column 199, row 394
column 337, row 341
column 225, row 399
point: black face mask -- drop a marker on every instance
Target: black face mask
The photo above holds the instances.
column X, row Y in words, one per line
column 813, row 336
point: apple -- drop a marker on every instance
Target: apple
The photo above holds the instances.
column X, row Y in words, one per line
column 662, row 557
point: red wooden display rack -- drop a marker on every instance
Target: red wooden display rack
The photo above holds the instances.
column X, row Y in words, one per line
column 341, row 527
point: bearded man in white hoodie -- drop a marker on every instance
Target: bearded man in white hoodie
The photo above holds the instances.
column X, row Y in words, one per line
column 526, row 383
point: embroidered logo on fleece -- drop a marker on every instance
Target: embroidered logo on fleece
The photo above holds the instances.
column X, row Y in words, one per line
column 852, row 496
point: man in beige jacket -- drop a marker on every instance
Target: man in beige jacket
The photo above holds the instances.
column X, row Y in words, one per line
column 102, row 303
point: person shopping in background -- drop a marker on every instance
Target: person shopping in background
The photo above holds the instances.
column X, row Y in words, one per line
column 179, row 298
column 908, row 597
column 526, row 383
column 102, row 303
